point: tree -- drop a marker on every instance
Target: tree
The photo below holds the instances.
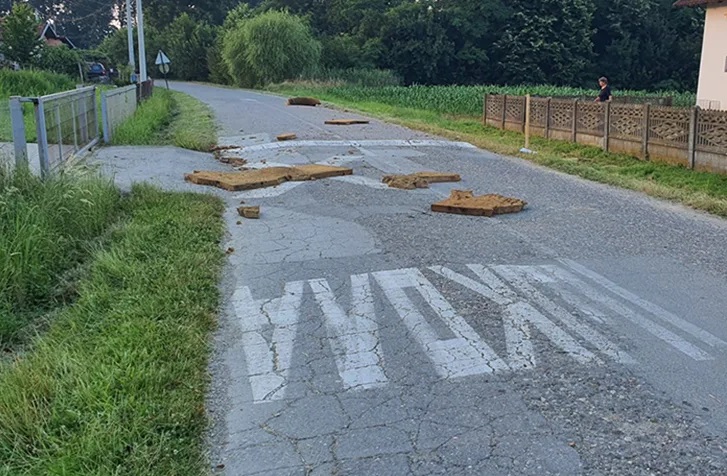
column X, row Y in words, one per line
column 161, row 13
column 59, row 59
column 271, row 47
column 547, row 42
column 187, row 42
column 416, row 44
column 20, row 34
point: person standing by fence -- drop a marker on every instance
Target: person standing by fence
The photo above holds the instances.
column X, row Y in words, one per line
column 604, row 95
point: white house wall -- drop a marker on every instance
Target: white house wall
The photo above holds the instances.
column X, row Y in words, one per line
column 712, row 91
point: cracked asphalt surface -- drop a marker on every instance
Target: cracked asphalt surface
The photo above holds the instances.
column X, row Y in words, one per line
column 363, row 334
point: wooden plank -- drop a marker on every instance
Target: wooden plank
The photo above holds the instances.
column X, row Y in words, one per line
column 249, row 212
column 287, row 136
column 316, row 171
column 267, row 177
column 345, row 122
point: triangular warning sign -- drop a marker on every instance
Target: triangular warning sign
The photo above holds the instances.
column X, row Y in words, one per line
column 162, row 58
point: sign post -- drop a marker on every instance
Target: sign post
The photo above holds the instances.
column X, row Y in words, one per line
column 163, row 62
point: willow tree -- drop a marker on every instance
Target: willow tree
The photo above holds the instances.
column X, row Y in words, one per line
column 269, row 48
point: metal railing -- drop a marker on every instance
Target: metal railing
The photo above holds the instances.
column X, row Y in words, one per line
column 66, row 125
column 117, row 105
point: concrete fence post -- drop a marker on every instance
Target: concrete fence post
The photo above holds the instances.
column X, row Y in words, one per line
column 645, row 132
column 484, row 110
column 547, row 118
column 504, row 111
column 574, row 127
column 692, row 144
column 606, row 124
column 19, row 139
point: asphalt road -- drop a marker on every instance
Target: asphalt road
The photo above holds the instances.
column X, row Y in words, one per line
column 364, row 334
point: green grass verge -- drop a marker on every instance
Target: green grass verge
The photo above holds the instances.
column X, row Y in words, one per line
column 170, row 118
column 117, row 384
column 47, row 229
column 700, row 190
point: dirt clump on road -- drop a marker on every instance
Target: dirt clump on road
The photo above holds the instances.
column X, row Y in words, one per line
column 464, row 202
column 303, row 101
column 345, row 122
column 265, row 177
column 418, row 180
column 249, row 212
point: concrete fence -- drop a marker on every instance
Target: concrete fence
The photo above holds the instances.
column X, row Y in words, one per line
column 693, row 137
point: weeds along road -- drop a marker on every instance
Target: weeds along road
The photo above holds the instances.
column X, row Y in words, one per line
column 364, row 334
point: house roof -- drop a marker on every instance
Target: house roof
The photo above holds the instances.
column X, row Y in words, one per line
column 698, row 3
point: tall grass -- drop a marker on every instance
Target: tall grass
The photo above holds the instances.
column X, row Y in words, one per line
column 32, row 83
column 170, row 118
column 27, row 83
column 365, row 77
column 46, row 228
column 150, row 119
column 117, row 385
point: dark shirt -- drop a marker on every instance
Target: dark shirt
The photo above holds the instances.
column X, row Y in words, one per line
column 604, row 94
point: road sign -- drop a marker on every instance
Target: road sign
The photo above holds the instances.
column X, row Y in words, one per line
column 162, row 58
column 164, row 68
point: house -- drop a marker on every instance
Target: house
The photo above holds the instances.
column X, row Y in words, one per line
column 712, row 90
column 48, row 34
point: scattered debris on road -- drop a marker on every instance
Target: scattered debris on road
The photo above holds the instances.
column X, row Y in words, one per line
column 302, row 101
column 345, row 122
column 266, row 177
column 464, row 202
column 219, row 148
column 419, row 179
column 249, row 212
column 288, row 136
column 234, row 161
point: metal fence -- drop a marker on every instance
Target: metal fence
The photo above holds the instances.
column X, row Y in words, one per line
column 692, row 137
column 66, row 125
column 117, row 105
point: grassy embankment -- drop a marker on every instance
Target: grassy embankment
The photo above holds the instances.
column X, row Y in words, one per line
column 113, row 380
column 170, row 118
column 455, row 113
column 106, row 305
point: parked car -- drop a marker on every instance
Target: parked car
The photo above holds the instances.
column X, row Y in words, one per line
column 97, row 73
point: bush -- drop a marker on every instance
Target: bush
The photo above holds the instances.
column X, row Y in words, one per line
column 33, row 83
column 58, row 59
column 186, row 42
column 270, row 47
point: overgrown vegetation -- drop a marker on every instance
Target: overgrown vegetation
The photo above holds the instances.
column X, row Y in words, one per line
column 47, row 228
column 27, row 83
column 117, row 384
column 701, row 190
column 169, row 118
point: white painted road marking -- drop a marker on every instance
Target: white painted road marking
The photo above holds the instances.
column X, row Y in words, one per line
column 354, row 337
column 268, row 363
column 361, row 143
column 269, row 327
column 517, row 317
column 652, row 327
column 466, row 354
column 659, row 312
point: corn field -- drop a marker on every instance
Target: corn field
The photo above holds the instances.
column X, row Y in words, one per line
column 467, row 100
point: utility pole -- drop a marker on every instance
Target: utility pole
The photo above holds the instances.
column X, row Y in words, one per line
column 142, row 47
column 130, row 34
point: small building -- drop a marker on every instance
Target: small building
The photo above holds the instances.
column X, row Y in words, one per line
column 51, row 38
column 712, row 90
